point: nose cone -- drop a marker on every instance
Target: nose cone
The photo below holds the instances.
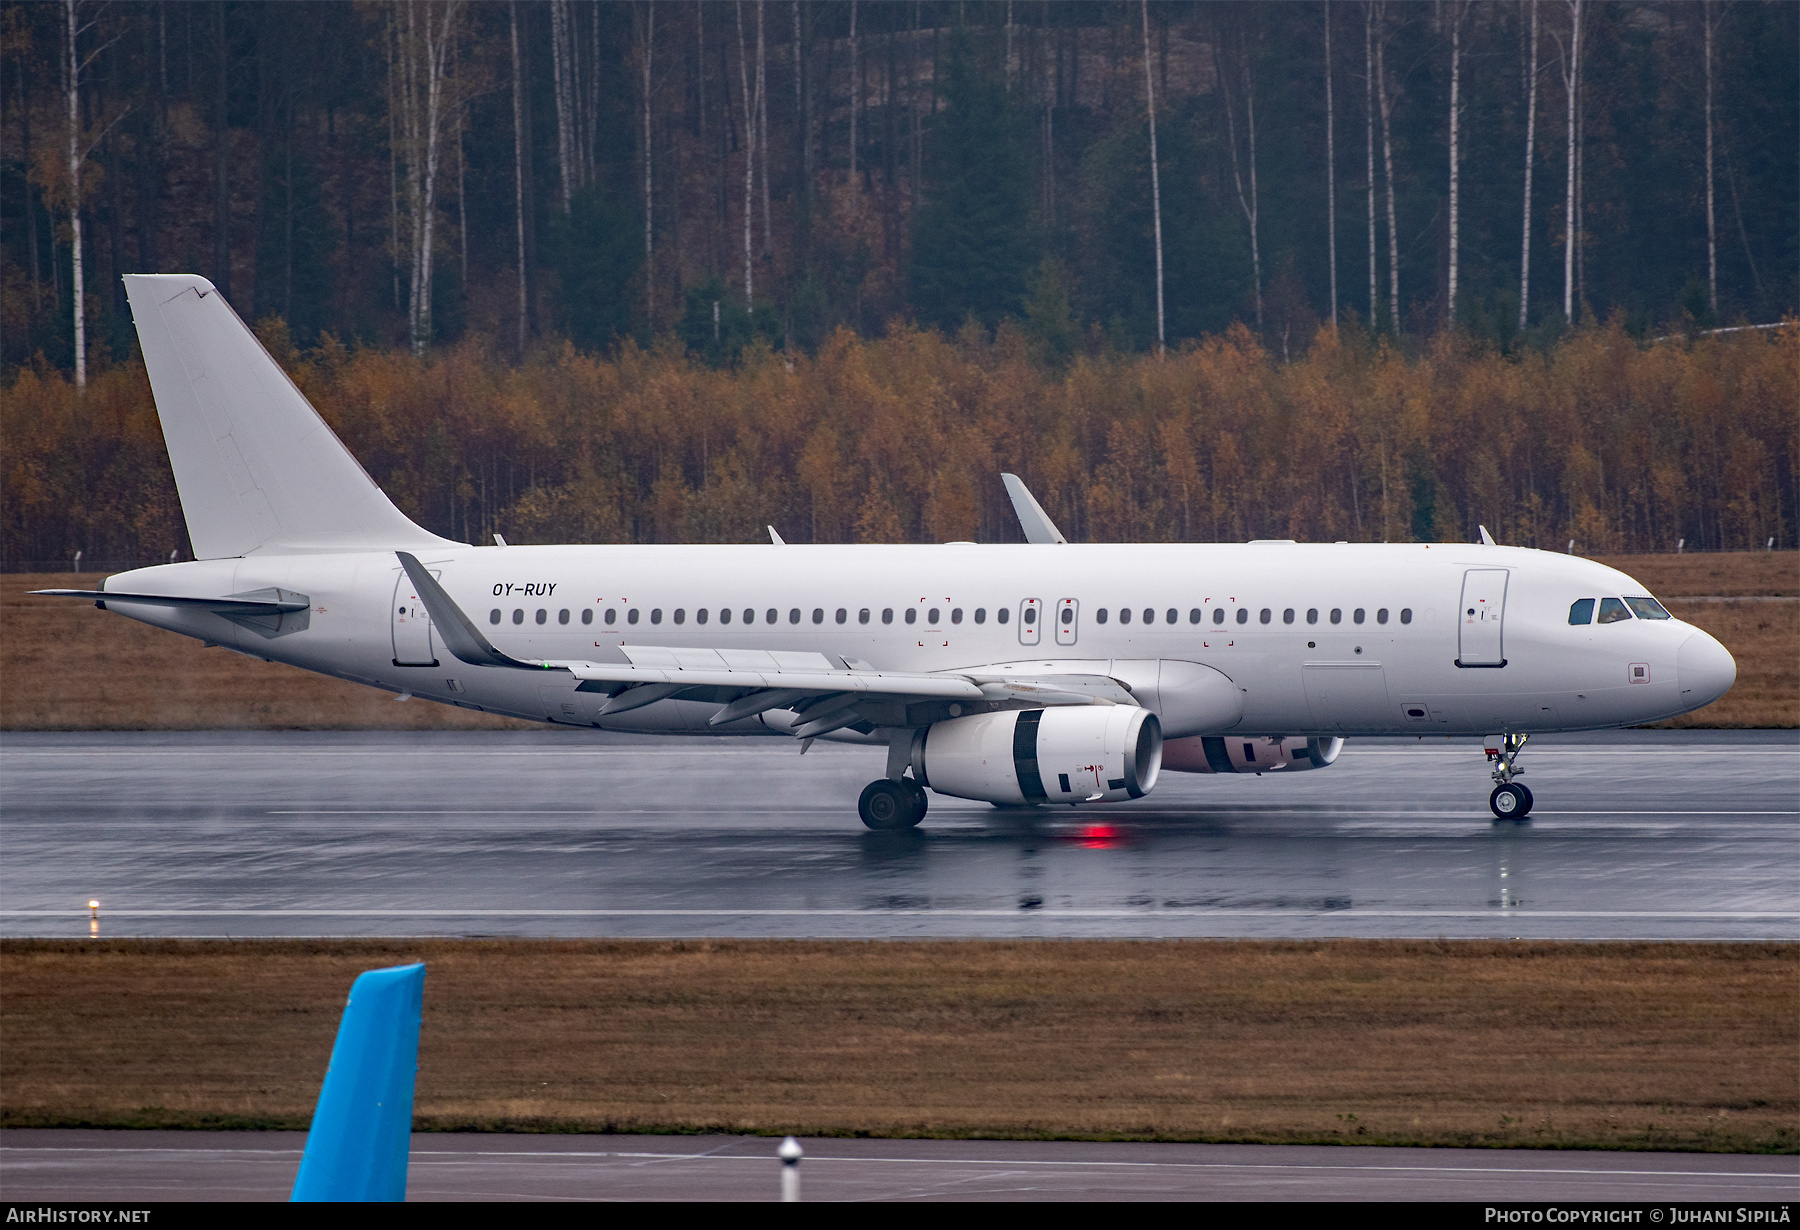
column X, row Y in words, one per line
column 1705, row 670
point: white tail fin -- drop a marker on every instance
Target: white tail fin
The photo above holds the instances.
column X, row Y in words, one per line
column 255, row 464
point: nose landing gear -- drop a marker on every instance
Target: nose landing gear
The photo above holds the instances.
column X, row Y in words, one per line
column 1510, row 800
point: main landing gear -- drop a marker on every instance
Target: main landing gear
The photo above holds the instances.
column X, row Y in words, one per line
column 1510, row 800
column 888, row 806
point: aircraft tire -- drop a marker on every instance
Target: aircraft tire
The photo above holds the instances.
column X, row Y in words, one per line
column 1511, row 801
column 887, row 806
column 921, row 801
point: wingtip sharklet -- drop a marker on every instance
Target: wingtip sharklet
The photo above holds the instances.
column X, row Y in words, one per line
column 1032, row 518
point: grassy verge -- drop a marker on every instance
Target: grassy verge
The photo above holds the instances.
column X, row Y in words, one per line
column 1555, row 1045
column 67, row 666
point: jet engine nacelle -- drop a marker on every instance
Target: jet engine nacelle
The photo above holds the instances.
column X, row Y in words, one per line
column 1241, row 754
column 1063, row 754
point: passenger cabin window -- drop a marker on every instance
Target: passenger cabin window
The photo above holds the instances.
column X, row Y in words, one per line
column 1243, row 614
column 680, row 615
column 862, row 616
column 1581, row 611
column 1381, row 616
column 912, row 614
column 887, row 615
column 494, row 616
column 1194, row 616
column 1266, row 615
column 518, row 616
column 931, row 616
column 656, row 615
column 980, row 614
column 562, row 617
column 1002, row 615
column 1124, row 614
column 818, row 614
column 841, row 615
column 794, row 615
column 1171, row 615
column 1068, row 616
column 956, row 615
column 1100, row 615
column 750, row 617
column 1149, row 616
column 542, row 615
column 772, row 615
column 1312, row 615
column 1357, row 616
column 1647, row 608
column 1218, row 614
column 1337, row 616
column 699, row 616
column 1405, row 614
column 1287, row 616
column 1612, row 611
column 631, row 616
column 587, row 616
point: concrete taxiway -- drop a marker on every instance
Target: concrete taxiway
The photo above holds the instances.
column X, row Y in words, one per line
column 150, row 1166
column 1637, row 834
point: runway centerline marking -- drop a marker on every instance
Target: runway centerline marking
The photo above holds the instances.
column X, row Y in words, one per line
column 880, row 912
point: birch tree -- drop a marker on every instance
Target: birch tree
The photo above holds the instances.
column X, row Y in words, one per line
column 521, row 154
column 1247, row 203
column 74, row 69
column 1369, row 134
column 1155, row 175
column 1531, row 78
column 1458, row 11
column 1385, row 96
column 751, row 103
column 1331, row 169
column 855, row 98
column 424, row 94
column 1571, row 76
column 1710, row 26
column 649, row 199
column 762, row 130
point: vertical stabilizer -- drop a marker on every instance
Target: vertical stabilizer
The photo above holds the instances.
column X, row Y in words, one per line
column 255, row 464
column 362, row 1128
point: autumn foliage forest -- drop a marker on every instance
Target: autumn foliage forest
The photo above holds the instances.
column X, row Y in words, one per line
column 661, row 272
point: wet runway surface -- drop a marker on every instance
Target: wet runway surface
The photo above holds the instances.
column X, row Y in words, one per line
column 149, row 1166
column 1644, row 834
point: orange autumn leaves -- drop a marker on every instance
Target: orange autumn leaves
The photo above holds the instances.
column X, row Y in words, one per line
column 1619, row 445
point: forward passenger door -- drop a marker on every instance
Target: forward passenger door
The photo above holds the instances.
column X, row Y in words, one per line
column 1480, row 619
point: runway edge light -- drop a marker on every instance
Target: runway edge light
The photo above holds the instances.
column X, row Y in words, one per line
column 362, row 1127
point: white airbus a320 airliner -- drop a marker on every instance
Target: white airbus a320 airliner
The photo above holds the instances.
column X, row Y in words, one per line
column 1042, row 673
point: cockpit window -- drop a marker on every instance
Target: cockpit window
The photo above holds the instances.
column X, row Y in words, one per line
column 1581, row 611
column 1647, row 608
column 1612, row 611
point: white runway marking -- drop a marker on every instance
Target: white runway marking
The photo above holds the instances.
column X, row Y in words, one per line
column 883, row 912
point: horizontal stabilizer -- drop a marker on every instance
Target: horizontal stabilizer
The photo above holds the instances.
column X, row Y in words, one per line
column 262, row 602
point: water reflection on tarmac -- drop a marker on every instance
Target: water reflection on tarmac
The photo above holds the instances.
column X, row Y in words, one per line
column 1681, row 834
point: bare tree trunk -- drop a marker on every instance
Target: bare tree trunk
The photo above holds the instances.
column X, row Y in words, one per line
column 521, row 140
column 222, row 161
column 1572, row 84
column 1247, row 203
column 1369, row 133
column 1457, row 12
column 1331, row 168
column 762, row 130
column 1712, row 248
column 1530, row 150
column 1387, row 160
column 855, row 98
column 649, row 199
column 1155, row 174
column 424, row 44
column 72, row 92
column 562, row 69
column 749, row 144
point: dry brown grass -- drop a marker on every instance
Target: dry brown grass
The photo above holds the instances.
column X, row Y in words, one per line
column 67, row 666
column 1684, row 1046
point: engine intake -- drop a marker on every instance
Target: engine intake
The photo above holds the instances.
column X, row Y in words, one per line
column 1064, row 754
column 1238, row 754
